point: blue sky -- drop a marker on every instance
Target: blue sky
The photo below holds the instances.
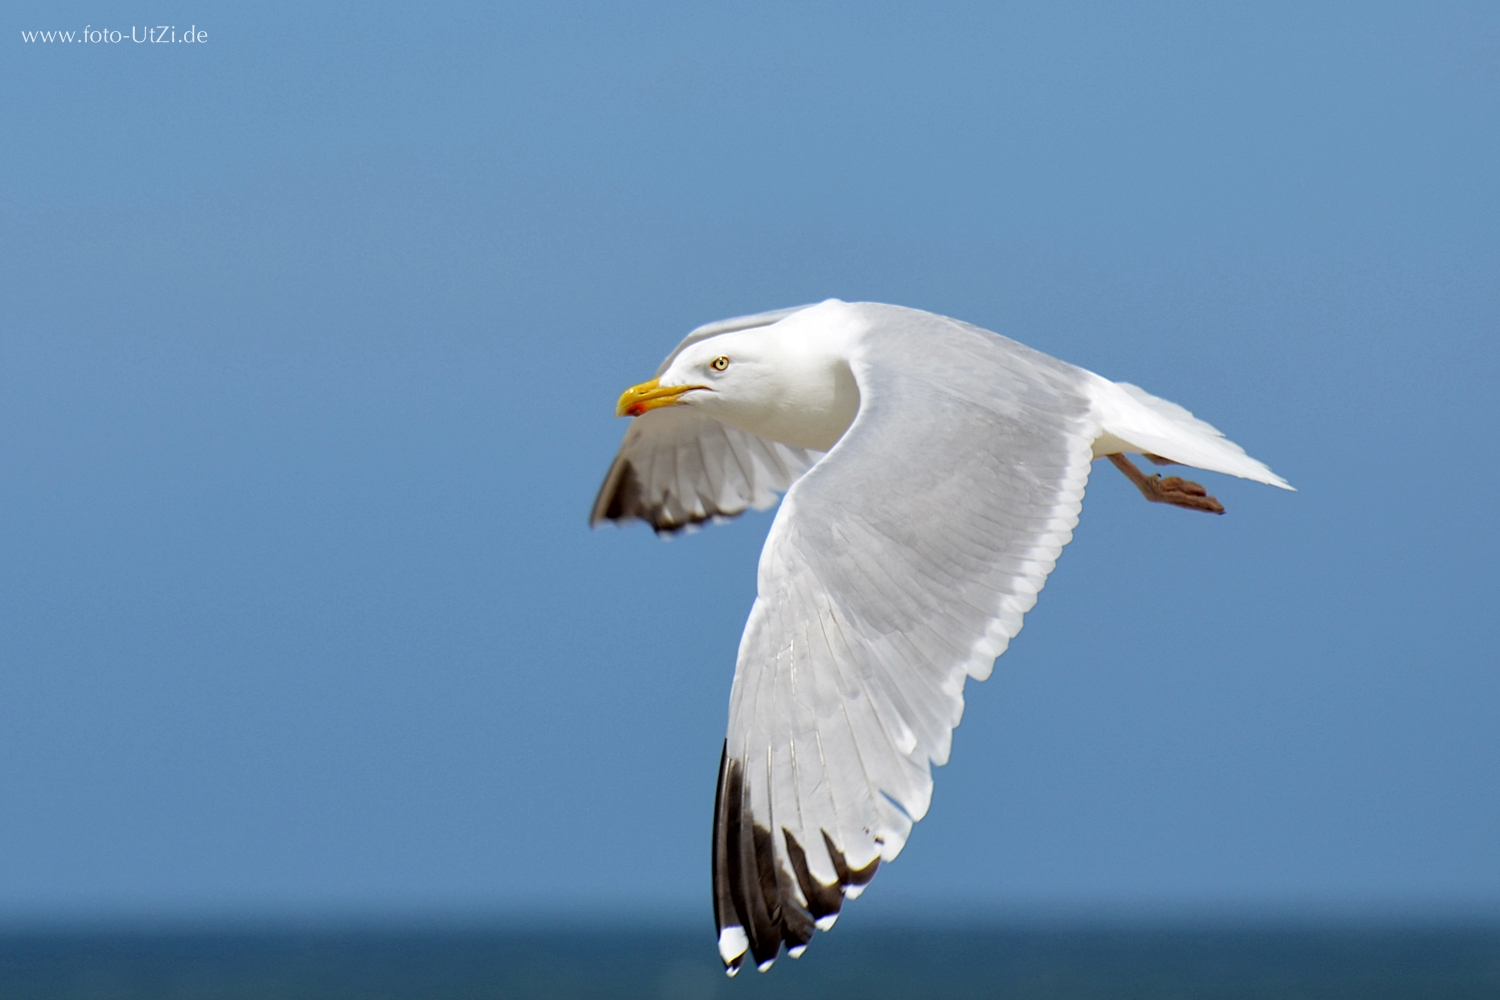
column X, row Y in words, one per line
column 309, row 341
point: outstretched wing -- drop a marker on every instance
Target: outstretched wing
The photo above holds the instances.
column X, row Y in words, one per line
column 897, row 567
column 678, row 468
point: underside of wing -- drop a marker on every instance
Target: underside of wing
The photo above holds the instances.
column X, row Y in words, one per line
column 677, row 468
column 897, row 568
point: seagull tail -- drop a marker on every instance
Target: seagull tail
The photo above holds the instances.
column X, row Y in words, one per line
column 1133, row 420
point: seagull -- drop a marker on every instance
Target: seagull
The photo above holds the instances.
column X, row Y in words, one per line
column 930, row 473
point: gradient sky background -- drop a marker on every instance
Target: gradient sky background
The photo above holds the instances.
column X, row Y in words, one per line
column 309, row 340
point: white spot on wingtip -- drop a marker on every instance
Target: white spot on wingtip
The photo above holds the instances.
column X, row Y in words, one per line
column 732, row 944
column 826, row 923
column 762, row 967
column 853, row 891
column 797, row 951
column 732, row 971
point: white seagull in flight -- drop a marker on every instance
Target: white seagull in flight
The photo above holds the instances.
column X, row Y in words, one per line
column 932, row 473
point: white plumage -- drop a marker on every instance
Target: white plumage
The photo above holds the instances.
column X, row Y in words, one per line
column 932, row 472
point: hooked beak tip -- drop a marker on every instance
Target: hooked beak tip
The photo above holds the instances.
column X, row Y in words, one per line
column 638, row 399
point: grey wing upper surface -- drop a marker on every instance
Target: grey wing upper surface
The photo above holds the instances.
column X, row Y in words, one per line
column 678, row 468
column 898, row 566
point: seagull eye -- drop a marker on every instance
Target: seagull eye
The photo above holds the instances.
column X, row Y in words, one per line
column 719, row 364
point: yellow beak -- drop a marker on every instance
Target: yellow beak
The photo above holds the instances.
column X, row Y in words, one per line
column 649, row 396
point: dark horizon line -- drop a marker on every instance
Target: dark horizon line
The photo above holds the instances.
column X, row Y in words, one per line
column 959, row 918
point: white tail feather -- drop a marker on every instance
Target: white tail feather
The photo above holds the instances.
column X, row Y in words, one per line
column 1134, row 420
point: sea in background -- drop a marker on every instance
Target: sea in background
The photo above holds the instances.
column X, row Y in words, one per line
column 677, row 962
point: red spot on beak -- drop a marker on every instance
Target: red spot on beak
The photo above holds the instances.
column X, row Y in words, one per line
column 635, row 409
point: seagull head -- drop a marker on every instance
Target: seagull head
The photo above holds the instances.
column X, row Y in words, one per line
column 790, row 381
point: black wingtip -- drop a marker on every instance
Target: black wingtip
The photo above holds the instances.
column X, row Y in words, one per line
column 848, row 876
column 618, row 495
column 757, row 909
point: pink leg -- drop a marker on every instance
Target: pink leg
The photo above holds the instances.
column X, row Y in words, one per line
column 1173, row 490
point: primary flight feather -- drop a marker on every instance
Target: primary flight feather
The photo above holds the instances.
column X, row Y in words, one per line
column 932, row 473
